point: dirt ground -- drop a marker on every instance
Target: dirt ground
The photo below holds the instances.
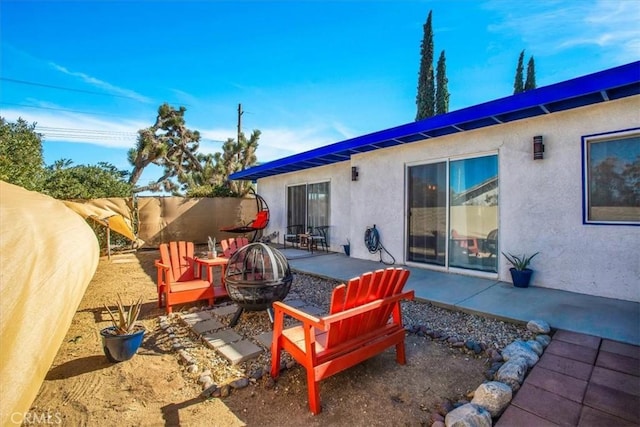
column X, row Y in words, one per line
column 154, row 388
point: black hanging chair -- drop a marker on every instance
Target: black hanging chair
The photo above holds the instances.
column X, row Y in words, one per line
column 258, row 224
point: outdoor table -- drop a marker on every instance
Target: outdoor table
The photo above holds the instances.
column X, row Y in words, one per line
column 211, row 263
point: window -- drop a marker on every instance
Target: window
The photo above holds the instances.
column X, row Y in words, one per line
column 308, row 205
column 611, row 164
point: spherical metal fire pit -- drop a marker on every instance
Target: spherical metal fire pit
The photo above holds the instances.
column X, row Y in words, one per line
column 256, row 276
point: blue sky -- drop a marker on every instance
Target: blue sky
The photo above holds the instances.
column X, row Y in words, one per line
column 307, row 73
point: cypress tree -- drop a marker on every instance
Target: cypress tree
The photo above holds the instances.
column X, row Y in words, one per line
column 531, row 75
column 518, row 84
column 425, row 100
column 442, row 92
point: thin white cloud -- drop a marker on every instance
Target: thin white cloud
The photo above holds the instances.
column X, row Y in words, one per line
column 103, row 85
column 79, row 128
column 552, row 26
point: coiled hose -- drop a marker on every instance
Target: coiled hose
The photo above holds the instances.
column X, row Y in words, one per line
column 372, row 242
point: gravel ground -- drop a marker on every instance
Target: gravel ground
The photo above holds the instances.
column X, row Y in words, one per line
column 437, row 322
column 420, row 318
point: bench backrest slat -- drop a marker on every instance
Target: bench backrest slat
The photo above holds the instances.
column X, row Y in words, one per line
column 361, row 290
column 179, row 256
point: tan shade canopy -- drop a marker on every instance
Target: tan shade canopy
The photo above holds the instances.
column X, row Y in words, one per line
column 104, row 216
column 48, row 255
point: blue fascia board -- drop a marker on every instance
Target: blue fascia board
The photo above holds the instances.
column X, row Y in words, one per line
column 585, row 90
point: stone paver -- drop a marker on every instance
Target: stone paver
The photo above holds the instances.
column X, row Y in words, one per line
column 613, row 402
column 621, row 348
column 296, row 303
column 583, row 340
column 193, row 318
column 616, row 380
column 560, row 384
column 265, row 339
column 572, row 351
column 565, row 366
column 240, row 351
column 547, row 405
column 225, row 310
column 618, row 362
column 516, row 417
column 593, row 418
column 221, row 338
column 206, row 326
column 312, row 310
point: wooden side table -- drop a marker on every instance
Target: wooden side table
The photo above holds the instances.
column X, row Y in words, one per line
column 304, row 241
column 219, row 290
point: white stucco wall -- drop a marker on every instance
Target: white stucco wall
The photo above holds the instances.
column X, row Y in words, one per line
column 274, row 191
column 540, row 202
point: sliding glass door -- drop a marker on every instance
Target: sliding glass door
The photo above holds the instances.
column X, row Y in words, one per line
column 308, row 205
column 453, row 213
column 427, row 222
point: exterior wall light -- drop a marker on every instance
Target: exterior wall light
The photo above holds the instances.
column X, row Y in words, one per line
column 354, row 173
column 538, row 148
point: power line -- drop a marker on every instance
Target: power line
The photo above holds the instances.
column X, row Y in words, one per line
column 70, row 89
column 24, row 82
column 63, row 109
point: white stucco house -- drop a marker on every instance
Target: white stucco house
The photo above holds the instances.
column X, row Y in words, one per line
column 454, row 191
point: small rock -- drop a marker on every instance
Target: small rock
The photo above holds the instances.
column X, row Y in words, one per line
column 544, row 340
column 203, row 378
column 469, row 415
column 207, row 392
column 269, row 383
column 240, row 383
column 519, row 348
column 512, row 373
column 435, row 417
column 193, row 369
column 497, row 357
column 538, row 326
column 225, row 390
column 290, row 364
column 493, row 396
column 257, row 374
column 535, row 346
column 444, row 407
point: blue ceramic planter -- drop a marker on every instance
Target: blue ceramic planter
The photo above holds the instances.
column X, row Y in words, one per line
column 119, row 348
column 521, row 278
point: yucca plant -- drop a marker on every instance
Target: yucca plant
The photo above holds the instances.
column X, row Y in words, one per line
column 519, row 262
column 125, row 323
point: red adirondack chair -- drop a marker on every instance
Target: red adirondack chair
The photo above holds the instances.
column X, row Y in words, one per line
column 364, row 320
column 179, row 278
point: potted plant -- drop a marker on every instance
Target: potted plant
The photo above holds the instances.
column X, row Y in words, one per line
column 211, row 243
column 122, row 340
column 347, row 248
column 520, row 272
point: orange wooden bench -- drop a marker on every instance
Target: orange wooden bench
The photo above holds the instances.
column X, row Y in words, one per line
column 364, row 319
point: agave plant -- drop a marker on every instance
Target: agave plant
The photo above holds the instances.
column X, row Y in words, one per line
column 125, row 323
column 519, row 262
column 212, row 244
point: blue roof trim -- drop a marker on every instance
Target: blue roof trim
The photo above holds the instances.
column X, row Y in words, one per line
column 614, row 83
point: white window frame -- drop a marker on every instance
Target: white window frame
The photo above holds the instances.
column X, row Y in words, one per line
column 600, row 138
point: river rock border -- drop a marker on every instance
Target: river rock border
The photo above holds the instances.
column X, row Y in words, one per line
column 504, row 377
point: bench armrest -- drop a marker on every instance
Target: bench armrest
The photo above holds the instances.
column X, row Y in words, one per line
column 303, row 317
